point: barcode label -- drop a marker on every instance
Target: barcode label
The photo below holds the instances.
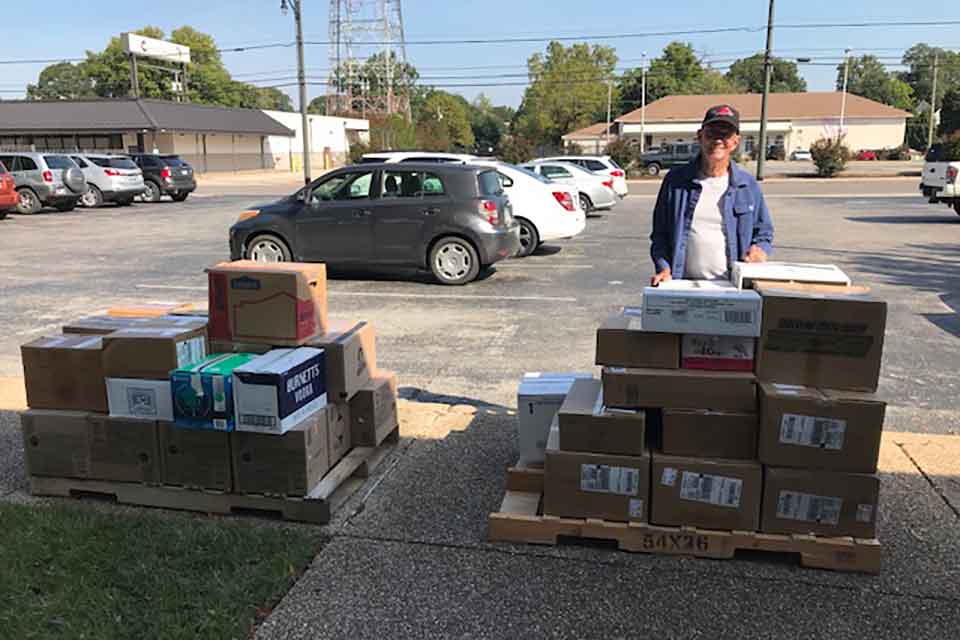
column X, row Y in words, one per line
column 738, row 317
column 635, row 508
column 669, row 477
column 601, row 478
column 864, row 513
column 811, row 431
column 806, row 507
column 255, row 420
column 716, row 490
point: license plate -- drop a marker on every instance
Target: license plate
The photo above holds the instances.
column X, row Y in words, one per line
column 184, row 172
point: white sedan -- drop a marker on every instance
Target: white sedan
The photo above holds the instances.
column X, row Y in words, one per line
column 593, row 191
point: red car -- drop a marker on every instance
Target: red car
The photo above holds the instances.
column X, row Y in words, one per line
column 867, row 155
column 8, row 192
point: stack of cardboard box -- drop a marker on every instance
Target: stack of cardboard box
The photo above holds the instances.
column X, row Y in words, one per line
column 731, row 409
column 284, row 395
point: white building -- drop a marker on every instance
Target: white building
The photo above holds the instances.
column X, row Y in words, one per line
column 330, row 140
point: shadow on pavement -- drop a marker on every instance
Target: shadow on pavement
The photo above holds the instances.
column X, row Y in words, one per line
column 395, row 275
column 925, row 267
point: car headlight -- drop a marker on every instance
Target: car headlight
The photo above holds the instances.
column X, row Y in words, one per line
column 246, row 215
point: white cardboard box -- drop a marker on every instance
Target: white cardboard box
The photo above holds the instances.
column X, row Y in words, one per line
column 744, row 273
column 703, row 307
column 538, row 400
column 149, row 399
column 276, row 391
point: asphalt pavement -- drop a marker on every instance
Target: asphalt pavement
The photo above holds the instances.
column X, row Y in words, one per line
column 409, row 556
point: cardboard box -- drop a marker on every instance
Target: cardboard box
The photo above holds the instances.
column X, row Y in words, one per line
column 587, row 425
column 148, row 309
column 351, row 355
column 820, row 428
column 152, row 352
column 819, row 337
column 679, row 389
column 226, row 346
column 203, row 392
column 76, row 444
column 65, row 372
column 743, row 274
column 622, row 342
column 703, row 307
column 717, row 353
column 825, row 503
column 282, row 304
column 539, row 397
column 195, row 458
column 288, row 465
column 103, row 325
column 577, row 484
column 710, row 434
column 274, row 392
column 338, row 431
column 706, row 493
column 146, row 399
column 373, row 411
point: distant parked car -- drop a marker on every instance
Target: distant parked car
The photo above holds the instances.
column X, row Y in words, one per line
column 594, row 192
column 8, row 192
column 45, row 180
column 165, row 174
column 603, row 165
column 668, row 156
column 866, row 154
column 452, row 219
column 414, row 156
column 801, row 154
column 109, row 179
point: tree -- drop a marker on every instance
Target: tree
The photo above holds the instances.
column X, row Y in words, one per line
column 318, row 106
column 568, row 91
column 830, row 155
column 950, row 113
column 371, row 79
column 748, row 75
column 677, row 71
column 392, row 133
column 919, row 60
column 917, row 130
column 867, row 77
column 515, row 149
column 488, row 127
column 445, row 117
column 61, row 81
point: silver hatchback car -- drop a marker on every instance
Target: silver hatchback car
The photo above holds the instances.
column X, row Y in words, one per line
column 109, row 179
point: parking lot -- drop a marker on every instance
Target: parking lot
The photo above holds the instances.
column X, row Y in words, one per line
column 424, row 524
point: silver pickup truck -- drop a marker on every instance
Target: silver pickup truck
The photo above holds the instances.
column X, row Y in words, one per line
column 939, row 179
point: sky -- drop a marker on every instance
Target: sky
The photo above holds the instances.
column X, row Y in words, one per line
column 66, row 28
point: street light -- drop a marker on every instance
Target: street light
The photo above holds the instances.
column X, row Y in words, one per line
column 643, row 100
column 843, row 98
column 285, row 6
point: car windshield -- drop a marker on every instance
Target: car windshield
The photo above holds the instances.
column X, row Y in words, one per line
column 174, row 161
column 489, row 183
column 575, row 168
column 113, row 163
column 59, row 162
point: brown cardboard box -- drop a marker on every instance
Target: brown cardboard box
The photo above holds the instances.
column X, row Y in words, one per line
column 65, row 372
column 820, row 428
column 287, row 465
column 825, row 503
column 56, row 443
column 373, row 410
column 710, row 434
column 148, row 309
column 195, row 458
column 819, row 337
column 104, row 325
column 622, row 342
column 706, row 493
column 124, row 449
column 586, row 425
column 338, row 427
column 282, row 304
column 151, row 353
column 351, row 355
column 679, row 389
column 226, row 346
column 595, row 485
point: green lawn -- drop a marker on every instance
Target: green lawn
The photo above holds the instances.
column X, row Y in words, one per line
column 81, row 571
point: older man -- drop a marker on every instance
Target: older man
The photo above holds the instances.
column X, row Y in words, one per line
column 710, row 213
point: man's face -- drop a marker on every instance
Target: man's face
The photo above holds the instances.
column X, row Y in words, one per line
column 718, row 140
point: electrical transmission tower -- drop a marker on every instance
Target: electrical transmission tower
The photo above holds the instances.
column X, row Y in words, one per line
column 367, row 49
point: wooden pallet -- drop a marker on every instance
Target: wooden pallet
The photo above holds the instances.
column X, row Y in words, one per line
column 520, row 520
column 317, row 507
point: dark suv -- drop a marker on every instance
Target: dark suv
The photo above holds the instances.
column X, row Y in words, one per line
column 668, row 156
column 165, row 175
column 451, row 219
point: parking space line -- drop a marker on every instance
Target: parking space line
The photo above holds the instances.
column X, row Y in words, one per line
column 392, row 294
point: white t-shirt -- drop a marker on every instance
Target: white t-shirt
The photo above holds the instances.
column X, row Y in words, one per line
column 706, row 244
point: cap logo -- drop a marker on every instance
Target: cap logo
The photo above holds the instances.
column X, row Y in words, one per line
column 723, row 111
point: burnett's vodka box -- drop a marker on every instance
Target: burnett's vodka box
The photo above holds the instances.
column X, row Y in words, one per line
column 278, row 390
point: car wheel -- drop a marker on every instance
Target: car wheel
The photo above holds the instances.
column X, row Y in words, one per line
column 67, row 206
column 652, row 169
column 956, row 206
column 3, row 215
column 27, row 201
column 585, row 203
column 151, row 192
column 454, row 261
column 180, row 196
column 268, row 248
column 529, row 238
column 92, row 197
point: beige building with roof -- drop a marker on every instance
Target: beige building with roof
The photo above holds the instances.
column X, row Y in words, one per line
column 794, row 120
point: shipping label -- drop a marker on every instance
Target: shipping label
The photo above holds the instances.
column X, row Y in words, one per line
column 669, row 477
column 635, row 508
column 865, row 513
column 716, row 490
column 806, row 507
column 601, row 478
column 812, row 431
column 142, row 402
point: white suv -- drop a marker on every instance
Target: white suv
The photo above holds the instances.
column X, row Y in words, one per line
column 601, row 165
column 941, row 177
column 414, row 156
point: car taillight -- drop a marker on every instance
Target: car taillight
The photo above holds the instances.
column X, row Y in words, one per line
column 616, row 173
column 565, row 200
column 488, row 209
column 111, row 172
column 608, row 184
column 952, row 174
column 165, row 173
column 48, row 176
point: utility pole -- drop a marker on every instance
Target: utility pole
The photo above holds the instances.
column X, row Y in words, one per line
column 643, row 101
column 767, row 63
column 843, row 96
column 302, row 81
column 609, row 108
column 933, row 98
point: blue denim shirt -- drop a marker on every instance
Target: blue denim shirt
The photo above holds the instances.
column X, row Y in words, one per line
column 746, row 219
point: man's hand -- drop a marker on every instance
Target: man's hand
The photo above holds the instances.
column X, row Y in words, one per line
column 663, row 276
column 756, row 254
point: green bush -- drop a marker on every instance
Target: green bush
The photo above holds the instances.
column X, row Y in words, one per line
column 830, row 155
column 624, row 153
column 514, row 149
